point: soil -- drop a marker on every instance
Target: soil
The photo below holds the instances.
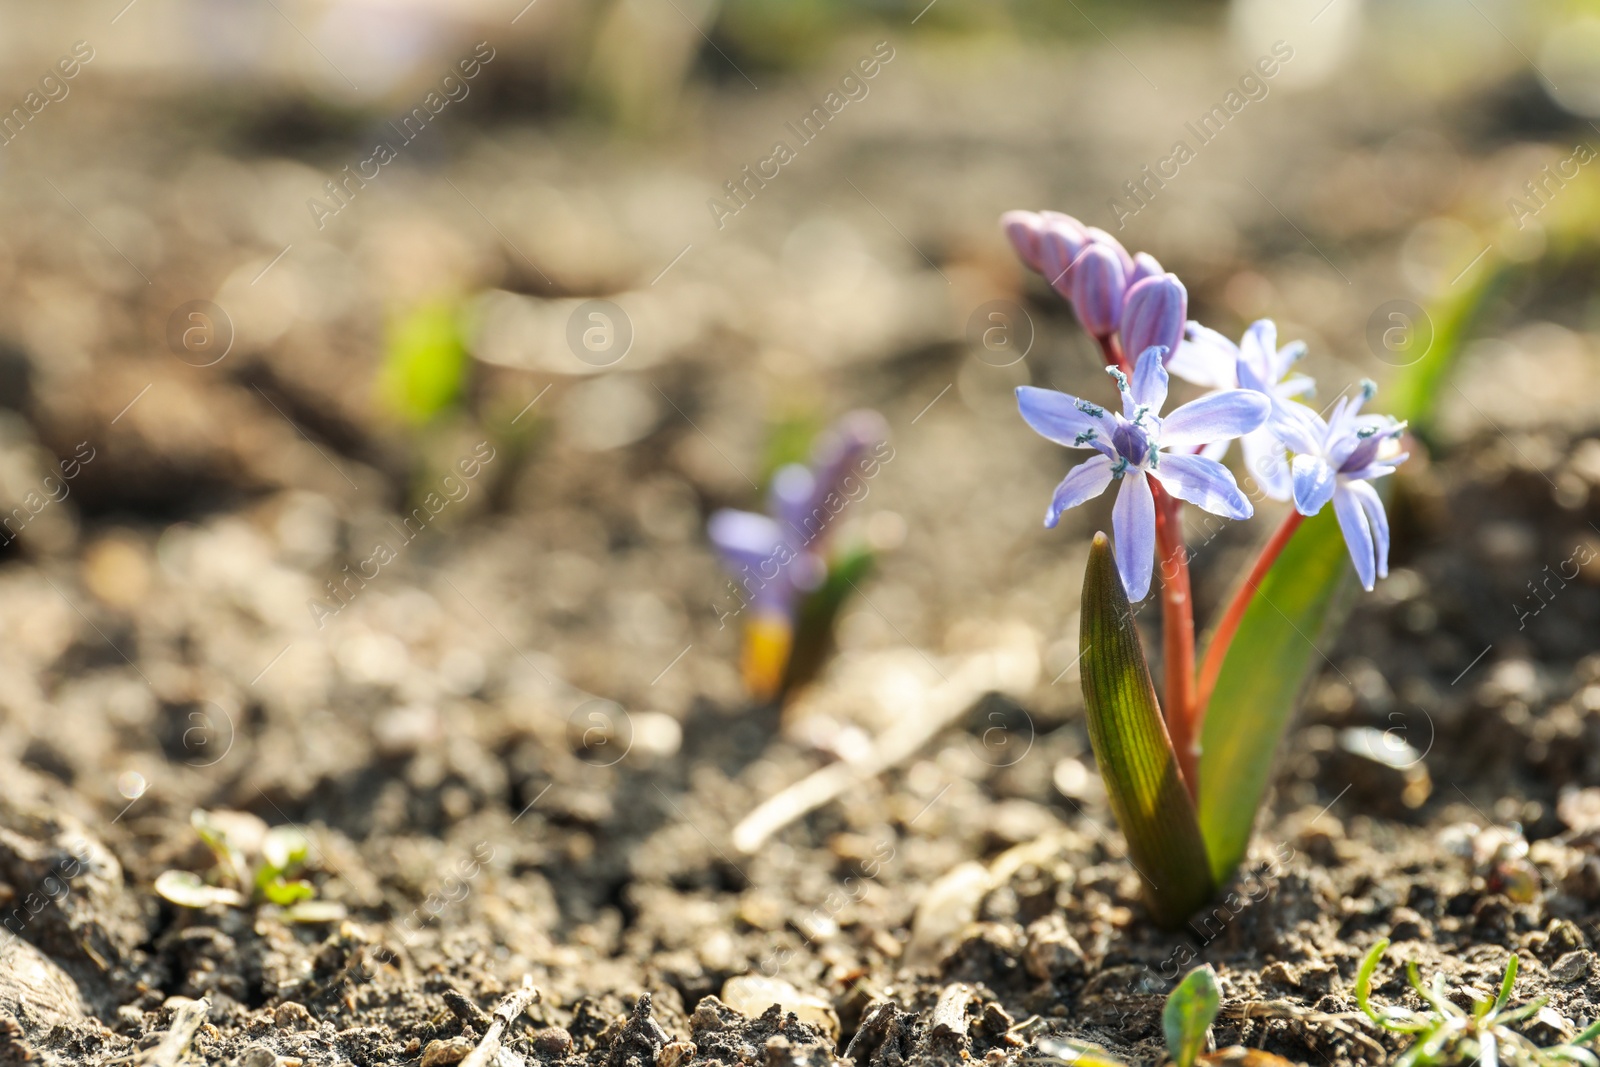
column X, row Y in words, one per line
column 521, row 751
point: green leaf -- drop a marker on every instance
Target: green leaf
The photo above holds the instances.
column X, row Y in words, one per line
column 425, row 363
column 1189, row 1013
column 1364, row 981
column 1133, row 750
column 1276, row 649
column 283, row 849
column 229, row 858
column 813, row 634
column 283, row 893
column 187, row 890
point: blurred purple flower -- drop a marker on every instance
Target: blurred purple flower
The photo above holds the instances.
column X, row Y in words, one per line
column 780, row 556
column 1132, row 445
column 1334, row 460
column 1207, row 358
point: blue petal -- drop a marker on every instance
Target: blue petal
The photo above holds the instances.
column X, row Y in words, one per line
column 1204, row 483
column 792, row 499
column 1133, row 521
column 1267, row 462
column 1230, row 413
column 1258, row 350
column 1372, row 504
column 1356, row 535
column 1205, row 358
column 1298, row 427
column 1150, row 380
column 743, row 538
column 1084, row 482
column 1061, row 418
column 1314, row 482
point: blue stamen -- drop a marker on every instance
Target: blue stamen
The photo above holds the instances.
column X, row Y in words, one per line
column 1084, row 438
column 1155, row 456
column 1119, row 467
column 1122, row 379
column 1094, row 411
column 1369, row 389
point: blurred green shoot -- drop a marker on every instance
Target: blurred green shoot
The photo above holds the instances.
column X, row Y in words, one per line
column 425, row 363
column 1448, row 1034
column 251, row 869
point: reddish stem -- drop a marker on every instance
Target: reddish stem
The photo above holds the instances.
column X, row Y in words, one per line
column 1217, row 650
column 1177, row 636
column 1111, row 348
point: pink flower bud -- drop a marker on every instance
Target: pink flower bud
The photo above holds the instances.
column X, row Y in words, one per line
column 1022, row 229
column 1098, row 283
column 1153, row 314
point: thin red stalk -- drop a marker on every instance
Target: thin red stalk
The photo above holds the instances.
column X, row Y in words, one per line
column 1177, row 636
column 1217, row 650
column 1112, row 349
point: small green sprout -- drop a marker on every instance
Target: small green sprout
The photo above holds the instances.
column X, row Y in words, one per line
column 1190, row 1011
column 1448, row 1034
column 1186, row 1021
column 255, row 865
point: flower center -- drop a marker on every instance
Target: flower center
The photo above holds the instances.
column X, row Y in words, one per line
column 1133, row 445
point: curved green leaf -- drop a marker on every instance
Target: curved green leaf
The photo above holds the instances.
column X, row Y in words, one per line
column 1133, row 750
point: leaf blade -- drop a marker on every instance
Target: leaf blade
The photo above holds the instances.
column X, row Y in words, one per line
column 1133, row 751
column 1189, row 1013
column 1300, row 600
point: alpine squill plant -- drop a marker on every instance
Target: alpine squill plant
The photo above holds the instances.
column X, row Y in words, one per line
column 1186, row 808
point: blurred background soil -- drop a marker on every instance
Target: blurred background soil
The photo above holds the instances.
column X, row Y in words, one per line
column 518, row 739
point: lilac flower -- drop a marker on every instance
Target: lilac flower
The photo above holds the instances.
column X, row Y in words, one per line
column 780, row 556
column 1209, row 359
column 1131, row 447
column 1334, row 460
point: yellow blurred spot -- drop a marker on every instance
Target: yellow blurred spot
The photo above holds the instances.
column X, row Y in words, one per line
column 768, row 640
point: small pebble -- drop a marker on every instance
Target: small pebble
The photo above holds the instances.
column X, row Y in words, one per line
column 292, row 1016
column 1051, row 951
column 1572, row 967
column 444, row 1053
column 552, row 1042
column 674, row 1053
column 1407, row 925
column 753, row 994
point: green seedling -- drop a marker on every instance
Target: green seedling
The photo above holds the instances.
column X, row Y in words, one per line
column 1186, row 1021
column 1447, row 1034
column 254, row 866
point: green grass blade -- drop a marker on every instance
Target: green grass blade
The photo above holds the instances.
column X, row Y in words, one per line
column 1133, row 750
column 1364, row 981
column 1272, row 658
column 1506, row 983
column 1189, row 1013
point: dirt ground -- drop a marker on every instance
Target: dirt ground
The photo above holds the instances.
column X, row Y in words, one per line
column 522, row 749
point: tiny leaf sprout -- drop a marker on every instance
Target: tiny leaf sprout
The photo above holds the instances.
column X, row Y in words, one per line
column 1189, row 1013
column 255, row 865
column 1186, row 1021
column 1447, row 1034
